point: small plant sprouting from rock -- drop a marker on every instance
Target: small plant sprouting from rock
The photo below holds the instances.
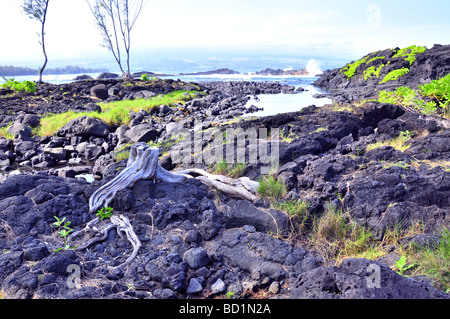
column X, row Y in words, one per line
column 230, row 294
column 272, row 188
column 401, row 266
column 27, row 86
column 145, row 77
column 105, row 212
column 63, row 230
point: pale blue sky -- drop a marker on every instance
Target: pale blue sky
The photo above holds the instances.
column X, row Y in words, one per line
column 232, row 28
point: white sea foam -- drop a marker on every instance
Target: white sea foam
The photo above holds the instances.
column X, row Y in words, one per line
column 313, row 67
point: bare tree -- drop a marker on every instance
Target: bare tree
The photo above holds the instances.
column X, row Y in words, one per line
column 115, row 19
column 37, row 9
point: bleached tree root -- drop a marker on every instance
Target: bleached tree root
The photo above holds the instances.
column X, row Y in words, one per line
column 123, row 226
column 143, row 164
column 243, row 187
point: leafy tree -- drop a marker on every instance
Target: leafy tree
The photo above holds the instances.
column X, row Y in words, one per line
column 37, row 9
column 120, row 17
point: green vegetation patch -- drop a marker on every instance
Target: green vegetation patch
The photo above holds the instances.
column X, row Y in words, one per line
column 372, row 71
column 113, row 113
column 399, row 143
column 299, row 215
column 439, row 90
column 431, row 98
column 25, row 86
column 272, row 188
column 4, row 132
column 376, row 58
column 350, row 69
column 434, row 262
column 336, row 238
column 234, row 170
column 395, row 75
column 410, row 53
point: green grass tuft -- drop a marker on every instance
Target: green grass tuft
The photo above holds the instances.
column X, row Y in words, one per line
column 272, row 188
column 434, row 262
column 235, row 170
column 399, row 143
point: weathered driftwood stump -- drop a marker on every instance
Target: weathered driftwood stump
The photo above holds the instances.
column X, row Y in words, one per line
column 143, row 164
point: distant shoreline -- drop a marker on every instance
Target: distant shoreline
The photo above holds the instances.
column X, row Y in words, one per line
column 9, row 70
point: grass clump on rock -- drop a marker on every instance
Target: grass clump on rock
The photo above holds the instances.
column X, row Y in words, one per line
column 338, row 238
column 272, row 188
column 399, row 143
column 113, row 113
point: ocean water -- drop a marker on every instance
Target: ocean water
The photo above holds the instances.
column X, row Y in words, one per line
column 272, row 104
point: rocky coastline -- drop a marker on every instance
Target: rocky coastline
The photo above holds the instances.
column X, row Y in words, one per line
column 196, row 241
column 223, row 71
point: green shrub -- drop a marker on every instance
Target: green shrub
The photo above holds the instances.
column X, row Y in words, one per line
column 27, row 86
column 410, row 53
column 145, row 77
column 387, row 97
column 429, row 107
column 438, row 89
column 350, row 69
column 405, row 95
column 394, row 75
column 371, row 71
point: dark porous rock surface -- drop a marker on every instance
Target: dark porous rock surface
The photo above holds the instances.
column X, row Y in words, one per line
column 357, row 279
column 429, row 65
column 197, row 242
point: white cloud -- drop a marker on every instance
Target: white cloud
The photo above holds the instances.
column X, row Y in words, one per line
column 278, row 27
